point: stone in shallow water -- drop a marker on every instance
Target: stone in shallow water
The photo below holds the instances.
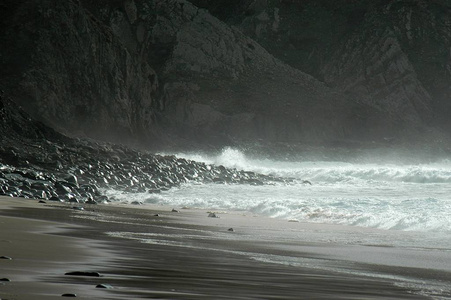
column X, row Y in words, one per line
column 69, row 295
column 230, row 229
column 5, row 279
column 5, row 257
column 212, row 215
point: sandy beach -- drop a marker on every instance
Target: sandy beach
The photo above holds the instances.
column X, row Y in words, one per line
column 188, row 255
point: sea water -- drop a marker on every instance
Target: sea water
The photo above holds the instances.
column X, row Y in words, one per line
column 410, row 204
column 415, row 197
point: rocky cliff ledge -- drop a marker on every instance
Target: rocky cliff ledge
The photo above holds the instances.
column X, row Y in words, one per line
column 221, row 72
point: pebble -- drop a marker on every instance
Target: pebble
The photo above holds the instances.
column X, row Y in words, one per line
column 174, row 210
column 230, row 229
column 212, row 215
column 5, row 257
column 69, row 295
column 5, row 279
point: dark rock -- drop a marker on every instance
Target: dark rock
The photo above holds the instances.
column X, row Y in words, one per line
column 83, row 273
column 72, row 198
column 212, row 215
column 5, row 257
column 175, row 210
column 72, row 179
column 5, row 279
column 91, row 201
column 104, row 286
column 230, row 229
column 69, row 295
column 54, row 198
column 42, row 201
column 219, row 180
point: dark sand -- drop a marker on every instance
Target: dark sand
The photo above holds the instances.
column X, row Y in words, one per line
column 187, row 256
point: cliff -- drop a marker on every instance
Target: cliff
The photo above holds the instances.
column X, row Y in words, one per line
column 168, row 73
column 391, row 55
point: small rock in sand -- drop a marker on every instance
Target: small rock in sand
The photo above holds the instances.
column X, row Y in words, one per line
column 174, row 210
column 83, row 273
column 104, row 286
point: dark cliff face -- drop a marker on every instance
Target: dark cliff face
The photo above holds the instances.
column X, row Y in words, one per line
column 167, row 72
column 392, row 55
column 69, row 70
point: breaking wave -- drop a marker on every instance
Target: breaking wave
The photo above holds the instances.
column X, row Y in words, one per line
column 386, row 196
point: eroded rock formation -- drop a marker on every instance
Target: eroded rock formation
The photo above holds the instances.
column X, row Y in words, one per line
column 219, row 72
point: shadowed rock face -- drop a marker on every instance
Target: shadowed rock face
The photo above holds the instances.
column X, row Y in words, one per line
column 392, row 55
column 167, row 72
column 66, row 68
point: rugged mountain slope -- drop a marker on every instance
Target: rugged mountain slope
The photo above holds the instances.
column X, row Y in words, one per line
column 392, row 55
column 167, row 72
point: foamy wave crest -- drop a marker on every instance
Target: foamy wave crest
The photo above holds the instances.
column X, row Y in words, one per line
column 231, row 158
column 410, row 215
column 329, row 172
column 228, row 157
column 414, row 174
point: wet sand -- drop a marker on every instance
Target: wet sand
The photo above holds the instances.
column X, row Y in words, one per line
column 186, row 255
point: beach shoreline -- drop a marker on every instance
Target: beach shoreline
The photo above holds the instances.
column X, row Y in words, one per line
column 154, row 252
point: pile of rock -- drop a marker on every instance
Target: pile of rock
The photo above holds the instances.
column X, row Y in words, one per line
column 81, row 172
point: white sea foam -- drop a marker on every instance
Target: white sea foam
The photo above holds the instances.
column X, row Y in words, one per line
column 395, row 197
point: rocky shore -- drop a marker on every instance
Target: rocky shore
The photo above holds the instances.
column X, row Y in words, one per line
column 37, row 162
column 174, row 72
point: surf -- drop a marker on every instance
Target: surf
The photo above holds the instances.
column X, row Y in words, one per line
column 402, row 197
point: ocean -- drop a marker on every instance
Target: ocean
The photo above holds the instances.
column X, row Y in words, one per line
column 403, row 209
column 405, row 197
